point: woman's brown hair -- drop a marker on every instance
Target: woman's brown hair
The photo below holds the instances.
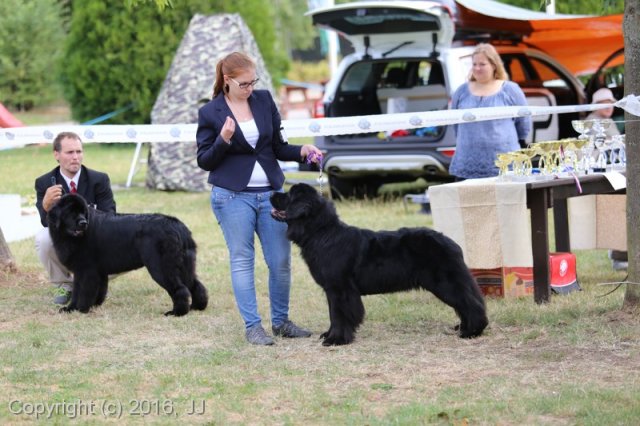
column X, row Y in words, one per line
column 233, row 64
column 493, row 56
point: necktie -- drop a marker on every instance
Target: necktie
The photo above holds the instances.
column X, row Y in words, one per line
column 72, row 184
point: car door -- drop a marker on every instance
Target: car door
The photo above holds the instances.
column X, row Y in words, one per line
column 545, row 83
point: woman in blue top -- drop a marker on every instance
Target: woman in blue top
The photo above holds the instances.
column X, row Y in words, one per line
column 479, row 143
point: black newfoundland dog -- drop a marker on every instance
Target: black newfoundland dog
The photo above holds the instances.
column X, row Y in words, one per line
column 94, row 244
column 348, row 262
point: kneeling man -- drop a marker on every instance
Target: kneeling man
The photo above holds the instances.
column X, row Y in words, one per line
column 69, row 176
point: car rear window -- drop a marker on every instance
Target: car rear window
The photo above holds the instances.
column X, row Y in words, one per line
column 402, row 74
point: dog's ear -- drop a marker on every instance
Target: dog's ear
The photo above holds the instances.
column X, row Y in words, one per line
column 302, row 199
column 53, row 217
column 80, row 203
column 302, row 189
column 298, row 208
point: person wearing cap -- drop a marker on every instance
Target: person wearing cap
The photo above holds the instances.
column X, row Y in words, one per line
column 604, row 96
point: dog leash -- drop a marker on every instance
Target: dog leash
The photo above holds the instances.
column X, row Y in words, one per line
column 310, row 159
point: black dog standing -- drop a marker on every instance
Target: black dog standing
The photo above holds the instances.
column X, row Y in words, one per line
column 94, row 244
column 375, row 263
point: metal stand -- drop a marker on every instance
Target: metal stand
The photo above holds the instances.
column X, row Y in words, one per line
column 134, row 163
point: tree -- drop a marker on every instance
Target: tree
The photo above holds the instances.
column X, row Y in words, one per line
column 260, row 17
column 7, row 264
column 591, row 7
column 632, row 138
column 30, row 45
column 161, row 4
column 300, row 32
column 116, row 56
column 288, row 13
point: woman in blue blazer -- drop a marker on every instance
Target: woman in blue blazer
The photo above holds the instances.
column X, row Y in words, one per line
column 239, row 143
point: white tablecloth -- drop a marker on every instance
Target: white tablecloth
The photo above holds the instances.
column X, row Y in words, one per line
column 487, row 218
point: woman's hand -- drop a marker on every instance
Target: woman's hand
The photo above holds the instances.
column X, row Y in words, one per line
column 311, row 153
column 228, row 129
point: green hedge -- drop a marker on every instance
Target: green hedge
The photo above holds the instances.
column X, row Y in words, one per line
column 116, row 56
column 30, row 45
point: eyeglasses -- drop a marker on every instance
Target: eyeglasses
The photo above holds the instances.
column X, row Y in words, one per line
column 245, row 85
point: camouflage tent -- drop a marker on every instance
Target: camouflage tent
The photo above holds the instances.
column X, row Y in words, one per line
column 188, row 85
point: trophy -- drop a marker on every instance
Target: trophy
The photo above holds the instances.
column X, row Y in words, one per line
column 583, row 127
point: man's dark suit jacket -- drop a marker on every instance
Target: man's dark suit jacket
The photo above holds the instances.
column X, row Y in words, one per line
column 231, row 165
column 94, row 187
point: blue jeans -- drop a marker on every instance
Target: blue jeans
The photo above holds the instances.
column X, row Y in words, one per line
column 240, row 215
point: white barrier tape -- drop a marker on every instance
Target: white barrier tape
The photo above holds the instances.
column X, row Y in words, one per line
column 132, row 133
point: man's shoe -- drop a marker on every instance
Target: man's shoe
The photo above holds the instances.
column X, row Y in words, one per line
column 62, row 296
column 289, row 329
column 257, row 336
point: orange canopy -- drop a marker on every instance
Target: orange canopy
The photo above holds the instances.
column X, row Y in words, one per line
column 580, row 43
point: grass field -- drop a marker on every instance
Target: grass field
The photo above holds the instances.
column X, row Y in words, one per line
column 572, row 361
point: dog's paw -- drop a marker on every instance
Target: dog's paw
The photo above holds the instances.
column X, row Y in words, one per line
column 471, row 329
column 466, row 333
column 332, row 337
column 174, row 313
column 333, row 341
column 470, row 334
column 198, row 307
column 66, row 310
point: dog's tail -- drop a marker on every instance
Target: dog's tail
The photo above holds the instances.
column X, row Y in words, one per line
column 199, row 295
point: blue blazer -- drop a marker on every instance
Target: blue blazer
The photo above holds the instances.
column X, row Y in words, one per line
column 94, row 187
column 230, row 165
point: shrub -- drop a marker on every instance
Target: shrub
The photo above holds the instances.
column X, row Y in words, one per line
column 116, row 56
column 30, row 44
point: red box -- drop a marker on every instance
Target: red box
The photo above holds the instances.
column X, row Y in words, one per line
column 518, row 281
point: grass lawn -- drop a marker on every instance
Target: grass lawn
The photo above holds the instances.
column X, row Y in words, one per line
column 572, row 361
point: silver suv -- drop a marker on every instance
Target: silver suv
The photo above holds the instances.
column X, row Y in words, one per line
column 405, row 60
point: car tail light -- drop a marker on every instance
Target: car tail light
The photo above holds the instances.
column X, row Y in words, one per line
column 447, row 152
column 318, row 109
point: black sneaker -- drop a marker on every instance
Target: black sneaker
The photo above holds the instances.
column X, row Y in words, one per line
column 289, row 329
column 62, row 296
column 257, row 336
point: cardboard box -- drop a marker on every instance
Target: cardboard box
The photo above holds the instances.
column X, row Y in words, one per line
column 518, row 281
column 505, row 281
